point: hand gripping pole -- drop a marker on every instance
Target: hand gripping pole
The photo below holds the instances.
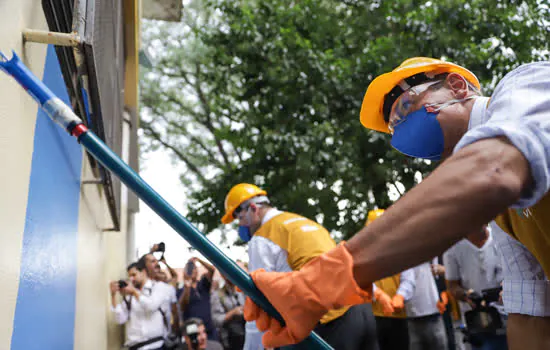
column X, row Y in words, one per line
column 60, row 113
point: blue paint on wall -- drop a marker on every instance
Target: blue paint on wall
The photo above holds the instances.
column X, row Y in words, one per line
column 45, row 309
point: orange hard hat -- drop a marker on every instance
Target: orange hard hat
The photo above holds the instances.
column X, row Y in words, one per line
column 237, row 196
column 372, row 116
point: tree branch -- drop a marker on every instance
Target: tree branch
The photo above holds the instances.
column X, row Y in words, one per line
column 209, row 124
column 194, row 169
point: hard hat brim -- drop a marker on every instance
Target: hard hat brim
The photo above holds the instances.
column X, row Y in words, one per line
column 371, row 114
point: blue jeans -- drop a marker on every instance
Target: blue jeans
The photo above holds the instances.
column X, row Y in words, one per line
column 492, row 342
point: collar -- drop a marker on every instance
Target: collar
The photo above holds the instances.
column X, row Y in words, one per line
column 478, row 115
column 271, row 213
column 147, row 284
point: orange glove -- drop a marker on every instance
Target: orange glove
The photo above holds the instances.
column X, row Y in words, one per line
column 384, row 299
column 398, row 302
column 303, row 297
column 442, row 304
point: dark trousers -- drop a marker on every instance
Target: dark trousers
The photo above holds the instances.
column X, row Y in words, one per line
column 354, row 330
column 393, row 333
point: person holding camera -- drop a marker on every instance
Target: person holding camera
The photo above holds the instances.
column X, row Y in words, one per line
column 169, row 304
column 194, row 333
column 471, row 266
column 161, row 275
column 227, row 314
column 140, row 309
column 194, row 300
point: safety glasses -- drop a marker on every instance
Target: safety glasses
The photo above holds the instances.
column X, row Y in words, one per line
column 239, row 209
column 407, row 103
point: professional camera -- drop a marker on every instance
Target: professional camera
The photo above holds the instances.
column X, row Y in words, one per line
column 122, row 284
column 192, row 331
column 483, row 319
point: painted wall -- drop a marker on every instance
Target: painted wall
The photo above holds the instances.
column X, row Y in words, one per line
column 55, row 259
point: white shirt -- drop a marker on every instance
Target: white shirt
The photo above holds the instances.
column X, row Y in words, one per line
column 475, row 268
column 144, row 320
column 423, row 301
column 169, row 292
column 263, row 254
column 520, row 110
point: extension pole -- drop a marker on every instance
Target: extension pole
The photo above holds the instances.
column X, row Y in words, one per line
column 60, row 113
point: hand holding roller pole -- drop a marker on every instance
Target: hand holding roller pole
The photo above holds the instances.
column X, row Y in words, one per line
column 60, row 113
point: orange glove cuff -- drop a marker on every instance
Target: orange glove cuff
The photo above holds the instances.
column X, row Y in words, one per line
column 331, row 276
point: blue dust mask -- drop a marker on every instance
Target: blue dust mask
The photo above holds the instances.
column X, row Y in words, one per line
column 419, row 135
column 244, row 233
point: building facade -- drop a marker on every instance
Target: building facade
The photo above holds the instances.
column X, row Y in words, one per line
column 66, row 223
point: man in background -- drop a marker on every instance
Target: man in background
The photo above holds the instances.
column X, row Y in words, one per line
column 195, row 336
column 140, row 309
column 169, row 302
column 194, row 299
column 472, row 265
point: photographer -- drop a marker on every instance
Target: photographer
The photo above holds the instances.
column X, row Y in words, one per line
column 227, row 314
column 195, row 297
column 161, row 275
column 169, row 300
column 140, row 309
column 473, row 265
column 196, row 338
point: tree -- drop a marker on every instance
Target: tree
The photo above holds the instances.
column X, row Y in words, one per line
column 277, row 87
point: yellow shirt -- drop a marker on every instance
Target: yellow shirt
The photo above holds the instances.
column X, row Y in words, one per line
column 303, row 240
column 389, row 285
column 531, row 227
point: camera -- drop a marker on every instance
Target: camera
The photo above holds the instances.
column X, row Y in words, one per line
column 190, row 267
column 192, row 331
column 122, row 284
column 483, row 319
column 161, row 247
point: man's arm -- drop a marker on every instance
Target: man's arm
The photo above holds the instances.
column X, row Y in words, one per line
column 184, row 297
column 121, row 313
column 459, row 292
column 468, row 190
column 119, row 310
column 407, row 284
column 209, row 267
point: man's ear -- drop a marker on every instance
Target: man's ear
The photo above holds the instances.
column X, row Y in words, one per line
column 457, row 84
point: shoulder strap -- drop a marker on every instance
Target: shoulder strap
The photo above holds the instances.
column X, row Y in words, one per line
column 164, row 319
column 221, row 295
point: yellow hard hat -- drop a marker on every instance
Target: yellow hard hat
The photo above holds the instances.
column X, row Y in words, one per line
column 373, row 215
column 238, row 195
column 372, row 114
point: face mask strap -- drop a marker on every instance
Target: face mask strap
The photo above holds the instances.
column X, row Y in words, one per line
column 436, row 107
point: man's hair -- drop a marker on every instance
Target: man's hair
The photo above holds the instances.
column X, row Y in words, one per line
column 190, row 321
column 135, row 265
column 142, row 261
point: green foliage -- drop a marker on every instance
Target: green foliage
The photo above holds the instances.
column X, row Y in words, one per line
column 269, row 92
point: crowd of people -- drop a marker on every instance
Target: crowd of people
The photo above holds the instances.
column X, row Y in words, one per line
column 160, row 312
column 409, row 310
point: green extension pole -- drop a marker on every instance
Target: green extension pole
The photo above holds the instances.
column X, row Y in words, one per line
column 60, row 113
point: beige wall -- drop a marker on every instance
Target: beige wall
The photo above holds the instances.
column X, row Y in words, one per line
column 17, row 121
column 101, row 258
column 101, row 255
